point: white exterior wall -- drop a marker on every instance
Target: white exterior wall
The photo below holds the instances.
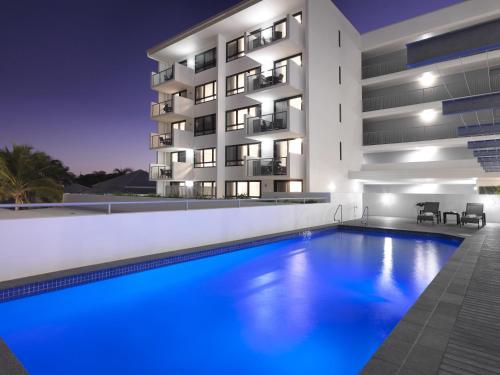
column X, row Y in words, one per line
column 60, row 243
column 326, row 172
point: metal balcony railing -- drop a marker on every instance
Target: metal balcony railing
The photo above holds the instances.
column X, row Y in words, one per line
column 267, row 78
column 392, row 65
column 267, row 167
column 161, row 140
column 413, row 134
column 269, row 122
column 446, row 91
column 266, row 36
column 162, row 108
column 163, row 76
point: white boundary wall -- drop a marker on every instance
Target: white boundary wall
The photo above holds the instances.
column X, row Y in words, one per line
column 404, row 205
column 35, row 246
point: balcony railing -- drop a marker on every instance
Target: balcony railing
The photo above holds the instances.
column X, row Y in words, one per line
column 392, row 65
column 160, row 172
column 163, row 76
column 266, row 36
column 267, row 78
column 430, row 94
column 266, row 123
column 413, row 134
column 162, row 108
column 161, row 140
column 267, row 167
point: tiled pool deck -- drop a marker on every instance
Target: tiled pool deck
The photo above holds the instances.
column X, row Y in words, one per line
column 453, row 328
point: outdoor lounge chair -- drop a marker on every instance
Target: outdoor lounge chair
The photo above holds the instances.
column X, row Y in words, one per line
column 474, row 213
column 429, row 213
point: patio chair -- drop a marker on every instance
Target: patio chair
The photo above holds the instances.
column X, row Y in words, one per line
column 429, row 213
column 474, row 213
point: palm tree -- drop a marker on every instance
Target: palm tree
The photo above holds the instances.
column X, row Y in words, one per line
column 122, row 171
column 27, row 175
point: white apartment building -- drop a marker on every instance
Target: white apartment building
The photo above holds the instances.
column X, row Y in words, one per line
column 286, row 96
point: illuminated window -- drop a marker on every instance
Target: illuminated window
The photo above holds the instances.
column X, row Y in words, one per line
column 206, row 92
column 236, row 154
column 235, row 119
column 205, row 60
column 291, row 186
column 298, row 17
column 235, row 189
column 205, row 158
column 235, row 49
column 235, row 84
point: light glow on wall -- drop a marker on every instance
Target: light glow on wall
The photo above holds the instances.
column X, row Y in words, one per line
column 332, row 187
column 387, row 199
column 428, row 115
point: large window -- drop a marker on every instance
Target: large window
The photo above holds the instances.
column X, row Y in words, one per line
column 290, row 186
column 283, row 62
column 206, row 92
column 283, row 147
column 235, row 84
column 236, row 154
column 178, row 157
column 179, row 125
column 282, row 105
column 235, row 49
column 204, row 158
column 235, row 119
column 204, row 125
column 235, row 189
column 205, row 60
column 205, row 189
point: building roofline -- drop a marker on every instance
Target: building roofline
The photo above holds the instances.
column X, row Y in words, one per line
column 203, row 25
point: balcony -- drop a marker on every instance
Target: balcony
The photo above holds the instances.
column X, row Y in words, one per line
column 175, row 171
column 411, row 134
column 177, row 140
column 173, row 79
column 281, row 82
column 292, row 166
column 279, row 125
column 449, row 90
column 271, row 43
column 177, row 108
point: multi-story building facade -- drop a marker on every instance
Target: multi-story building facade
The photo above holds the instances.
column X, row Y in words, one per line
column 286, row 96
column 259, row 99
column 431, row 100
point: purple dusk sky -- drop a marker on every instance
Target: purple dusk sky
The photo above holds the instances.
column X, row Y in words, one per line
column 74, row 76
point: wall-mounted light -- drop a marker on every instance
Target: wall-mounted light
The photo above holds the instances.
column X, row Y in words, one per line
column 189, row 183
column 332, row 187
column 428, row 115
column 427, row 79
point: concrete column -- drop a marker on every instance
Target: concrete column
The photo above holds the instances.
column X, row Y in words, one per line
column 221, row 116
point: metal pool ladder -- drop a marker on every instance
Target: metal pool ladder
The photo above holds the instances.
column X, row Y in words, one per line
column 335, row 215
column 364, row 217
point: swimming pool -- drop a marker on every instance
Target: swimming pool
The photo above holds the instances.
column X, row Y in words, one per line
column 297, row 306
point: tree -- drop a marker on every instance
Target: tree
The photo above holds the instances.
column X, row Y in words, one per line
column 122, row 171
column 27, row 175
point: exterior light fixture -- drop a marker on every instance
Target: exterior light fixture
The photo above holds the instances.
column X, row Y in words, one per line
column 427, row 79
column 428, row 115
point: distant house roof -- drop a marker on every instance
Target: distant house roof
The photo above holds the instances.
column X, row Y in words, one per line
column 76, row 189
column 136, row 182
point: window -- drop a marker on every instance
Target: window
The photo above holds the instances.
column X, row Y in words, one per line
column 340, row 41
column 283, row 62
column 204, row 158
column 235, row 84
column 235, row 119
column 283, row 147
column 298, row 17
column 204, row 125
column 178, row 157
column 340, row 150
column 180, row 125
column 235, row 49
column 184, row 62
column 340, row 75
column 291, row 186
column 235, row 189
column 206, row 93
column 205, row 60
column 268, row 35
column 235, row 154
column 282, row 105
column 340, row 112
column 205, row 189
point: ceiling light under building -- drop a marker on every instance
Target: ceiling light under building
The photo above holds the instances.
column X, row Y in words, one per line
column 428, row 115
column 427, row 79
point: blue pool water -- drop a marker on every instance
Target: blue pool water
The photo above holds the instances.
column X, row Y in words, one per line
column 297, row 306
